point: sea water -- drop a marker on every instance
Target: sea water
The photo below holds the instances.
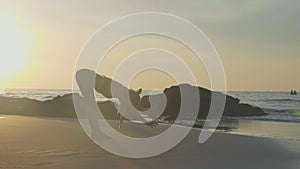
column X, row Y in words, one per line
column 280, row 106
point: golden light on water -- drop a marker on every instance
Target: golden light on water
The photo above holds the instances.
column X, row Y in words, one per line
column 14, row 46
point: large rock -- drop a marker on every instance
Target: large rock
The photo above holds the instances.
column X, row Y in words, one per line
column 60, row 106
column 173, row 96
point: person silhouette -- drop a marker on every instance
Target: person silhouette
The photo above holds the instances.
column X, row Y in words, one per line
column 293, row 92
column 129, row 101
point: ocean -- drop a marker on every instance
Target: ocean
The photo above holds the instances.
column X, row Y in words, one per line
column 280, row 106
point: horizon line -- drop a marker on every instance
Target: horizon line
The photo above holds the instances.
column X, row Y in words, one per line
column 70, row 89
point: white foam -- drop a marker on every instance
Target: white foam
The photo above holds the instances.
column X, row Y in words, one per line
column 2, row 92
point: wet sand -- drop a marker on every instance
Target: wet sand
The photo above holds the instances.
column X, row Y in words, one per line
column 30, row 142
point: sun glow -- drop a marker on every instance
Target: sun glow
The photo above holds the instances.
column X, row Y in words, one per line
column 14, row 46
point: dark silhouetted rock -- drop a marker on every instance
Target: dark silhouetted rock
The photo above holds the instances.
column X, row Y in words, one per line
column 60, row 106
column 232, row 106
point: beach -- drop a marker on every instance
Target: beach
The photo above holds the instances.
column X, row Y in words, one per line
column 34, row 142
column 149, row 85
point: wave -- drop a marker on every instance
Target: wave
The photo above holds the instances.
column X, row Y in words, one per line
column 278, row 100
column 296, row 113
column 270, row 110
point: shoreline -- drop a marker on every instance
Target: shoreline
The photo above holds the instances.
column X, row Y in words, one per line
column 54, row 142
column 277, row 130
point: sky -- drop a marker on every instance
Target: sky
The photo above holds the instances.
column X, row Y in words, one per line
column 258, row 41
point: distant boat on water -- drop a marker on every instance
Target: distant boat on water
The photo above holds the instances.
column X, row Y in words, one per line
column 293, row 92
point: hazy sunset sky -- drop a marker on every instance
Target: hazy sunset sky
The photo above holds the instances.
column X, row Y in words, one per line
column 258, row 41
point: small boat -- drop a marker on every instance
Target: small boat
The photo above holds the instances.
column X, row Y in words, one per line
column 293, row 92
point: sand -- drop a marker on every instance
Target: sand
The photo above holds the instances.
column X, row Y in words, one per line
column 30, row 142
